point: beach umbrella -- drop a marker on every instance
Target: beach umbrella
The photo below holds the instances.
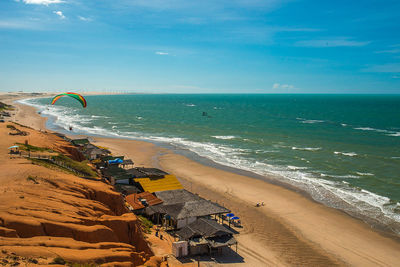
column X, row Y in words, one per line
column 230, row 215
column 235, row 218
column 13, row 147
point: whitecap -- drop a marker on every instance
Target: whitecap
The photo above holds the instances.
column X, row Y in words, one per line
column 312, row 121
column 372, row 129
column 365, row 173
column 349, row 176
column 350, row 154
column 307, row 148
column 295, row 168
column 224, row 137
column 190, row 105
column 394, row 134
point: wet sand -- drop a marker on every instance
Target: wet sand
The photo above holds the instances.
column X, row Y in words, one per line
column 289, row 230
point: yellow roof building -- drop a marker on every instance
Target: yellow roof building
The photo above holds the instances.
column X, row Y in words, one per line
column 168, row 182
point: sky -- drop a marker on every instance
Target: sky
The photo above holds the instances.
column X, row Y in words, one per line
column 207, row 46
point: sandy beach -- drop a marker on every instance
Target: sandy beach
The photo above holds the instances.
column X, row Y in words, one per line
column 290, row 229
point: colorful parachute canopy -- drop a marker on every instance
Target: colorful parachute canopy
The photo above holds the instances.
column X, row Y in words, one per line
column 74, row 95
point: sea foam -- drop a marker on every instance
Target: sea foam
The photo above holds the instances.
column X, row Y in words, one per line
column 224, row 137
column 350, row 154
column 307, row 148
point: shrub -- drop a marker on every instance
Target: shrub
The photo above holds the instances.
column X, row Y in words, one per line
column 32, row 148
column 81, row 167
column 33, row 179
column 147, row 225
column 58, row 260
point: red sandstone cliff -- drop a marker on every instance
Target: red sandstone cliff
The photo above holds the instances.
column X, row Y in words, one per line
column 46, row 213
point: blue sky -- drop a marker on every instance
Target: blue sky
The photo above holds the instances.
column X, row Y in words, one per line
column 208, row 46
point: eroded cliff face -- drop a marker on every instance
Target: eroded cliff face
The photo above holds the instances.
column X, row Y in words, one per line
column 46, row 213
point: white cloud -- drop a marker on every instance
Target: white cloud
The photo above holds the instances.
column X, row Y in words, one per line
column 85, row 18
column 333, row 42
column 162, row 53
column 41, row 2
column 60, row 14
column 282, row 86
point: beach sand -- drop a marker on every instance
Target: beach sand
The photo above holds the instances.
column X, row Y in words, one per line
column 290, row 229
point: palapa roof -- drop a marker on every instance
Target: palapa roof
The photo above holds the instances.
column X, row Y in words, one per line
column 190, row 209
column 180, row 204
column 168, row 182
column 134, row 200
column 205, row 228
column 177, row 196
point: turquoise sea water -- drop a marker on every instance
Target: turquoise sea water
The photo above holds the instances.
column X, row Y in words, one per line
column 343, row 150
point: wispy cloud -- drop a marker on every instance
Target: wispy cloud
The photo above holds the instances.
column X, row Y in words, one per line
column 394, row 49
column 85, row 18
column 60, row 14
column 162, row 53
column 332, row 42
column 282, row 86
column 388, row 68
column 389, row 51
column 14, row 24
column 41, row 2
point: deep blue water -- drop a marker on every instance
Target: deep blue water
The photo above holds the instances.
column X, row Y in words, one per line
column 344, row 150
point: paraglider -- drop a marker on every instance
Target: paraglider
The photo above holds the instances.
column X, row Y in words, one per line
column 73, row 95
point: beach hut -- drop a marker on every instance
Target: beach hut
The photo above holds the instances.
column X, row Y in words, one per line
column 206, row 236
column 93, row 153
column 116, row 174
column 127, row 163
column 141, row 200
column 154, row 180
column 181, row 207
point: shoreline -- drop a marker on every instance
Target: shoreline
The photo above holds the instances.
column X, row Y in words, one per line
column 325, row 234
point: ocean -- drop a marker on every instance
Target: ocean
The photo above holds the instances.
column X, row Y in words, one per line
column 341, row 150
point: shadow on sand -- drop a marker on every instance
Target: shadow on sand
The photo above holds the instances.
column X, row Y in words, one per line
column 228, row 255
